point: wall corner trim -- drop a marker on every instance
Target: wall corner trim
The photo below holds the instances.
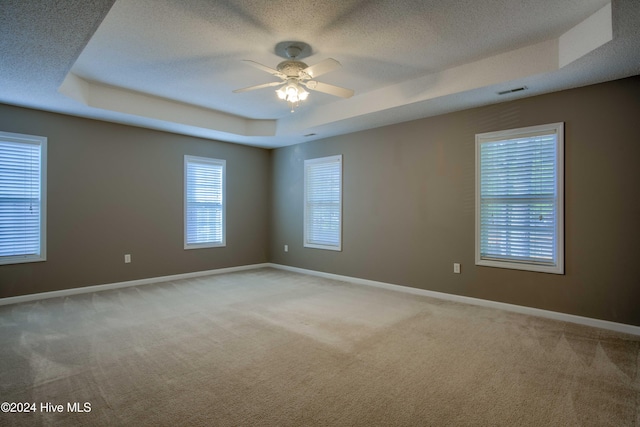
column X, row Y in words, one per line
column 97, row 288
column 554, row 315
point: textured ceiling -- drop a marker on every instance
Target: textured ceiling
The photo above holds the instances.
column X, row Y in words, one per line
column 172, row 65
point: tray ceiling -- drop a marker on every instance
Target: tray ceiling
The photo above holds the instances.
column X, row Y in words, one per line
column 172, row 65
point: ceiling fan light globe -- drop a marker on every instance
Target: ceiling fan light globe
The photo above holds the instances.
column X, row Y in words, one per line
column 292, row 90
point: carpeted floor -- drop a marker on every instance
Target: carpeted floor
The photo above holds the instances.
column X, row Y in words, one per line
column 273, row 348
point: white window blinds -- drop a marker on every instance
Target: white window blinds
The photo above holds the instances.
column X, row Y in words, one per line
column 323, row 203
column 519, row 205
column 22, row 198
column 204, row 202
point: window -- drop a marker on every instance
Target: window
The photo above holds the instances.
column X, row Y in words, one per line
column 323, row 203
column 23, row 172
column 519, row 199
column 204, row 202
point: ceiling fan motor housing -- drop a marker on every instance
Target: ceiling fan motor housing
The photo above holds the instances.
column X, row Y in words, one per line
column 292, row 68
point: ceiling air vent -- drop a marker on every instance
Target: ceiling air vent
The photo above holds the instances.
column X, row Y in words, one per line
column 517, row 89
column 310, row 134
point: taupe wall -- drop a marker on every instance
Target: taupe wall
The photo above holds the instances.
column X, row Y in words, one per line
column 408, row 211
column 408, row 204
column 115, row 189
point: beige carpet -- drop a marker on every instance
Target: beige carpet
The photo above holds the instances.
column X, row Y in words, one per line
column 273, row 348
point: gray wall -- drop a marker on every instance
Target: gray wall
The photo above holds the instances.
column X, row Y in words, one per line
column 409, row 191
column 115, row 189
column 408, row 204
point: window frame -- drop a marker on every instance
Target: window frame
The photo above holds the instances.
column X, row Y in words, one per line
column 215, row 162
column 42, row 142
column 307, row 164
column 488, row 137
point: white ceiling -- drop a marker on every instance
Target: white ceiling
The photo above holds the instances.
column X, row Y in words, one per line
column 172, row 64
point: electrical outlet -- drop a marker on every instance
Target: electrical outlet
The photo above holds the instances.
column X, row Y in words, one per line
column 127, row 258
column 286, row 248
column 456, row 268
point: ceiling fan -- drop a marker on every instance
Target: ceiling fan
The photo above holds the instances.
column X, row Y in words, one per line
column 294, row 75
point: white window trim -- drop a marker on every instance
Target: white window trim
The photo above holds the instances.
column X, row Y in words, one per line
column 42, row 141
column 329, row 159
column 558, row 129
column 217, row 162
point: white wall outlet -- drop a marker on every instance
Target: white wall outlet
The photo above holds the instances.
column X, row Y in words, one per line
column 286, row 248
column 456, row 268
column 127, row 258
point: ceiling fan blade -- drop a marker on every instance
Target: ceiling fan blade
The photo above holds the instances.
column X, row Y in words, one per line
column 246, row 89
column 322, row 67
column 265, row 68
column 330, row 89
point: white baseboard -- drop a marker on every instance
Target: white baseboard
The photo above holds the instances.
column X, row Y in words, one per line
column 97, row 288
column 596, row 323
column 587, row 321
